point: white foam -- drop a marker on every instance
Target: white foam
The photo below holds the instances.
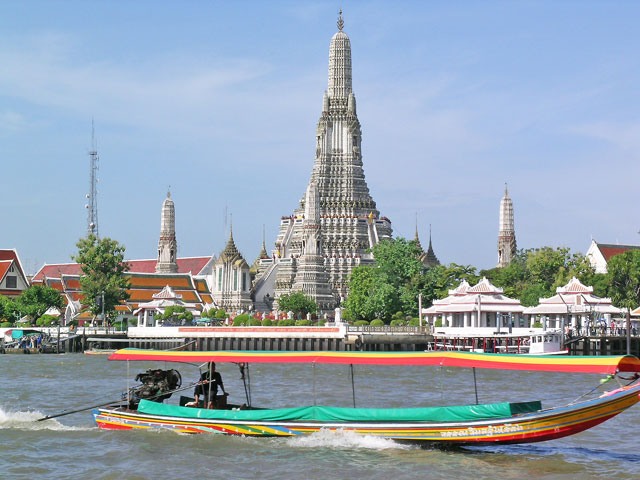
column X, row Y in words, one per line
column 27, row 421
column 343, row 439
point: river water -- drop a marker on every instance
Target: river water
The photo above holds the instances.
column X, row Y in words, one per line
column 72, row 447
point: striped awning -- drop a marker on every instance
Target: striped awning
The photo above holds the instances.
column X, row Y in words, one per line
column 584, row 364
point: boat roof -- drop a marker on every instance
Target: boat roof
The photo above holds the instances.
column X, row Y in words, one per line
column 583, row 364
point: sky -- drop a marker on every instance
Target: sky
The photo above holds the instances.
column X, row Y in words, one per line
column 220, row 101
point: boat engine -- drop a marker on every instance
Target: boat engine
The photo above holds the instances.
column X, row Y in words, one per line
column 155, row 384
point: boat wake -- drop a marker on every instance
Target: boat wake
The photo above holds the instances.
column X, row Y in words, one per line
column 344, row 439
column 27, row 421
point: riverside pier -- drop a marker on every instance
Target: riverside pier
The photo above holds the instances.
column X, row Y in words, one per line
column 328, row 338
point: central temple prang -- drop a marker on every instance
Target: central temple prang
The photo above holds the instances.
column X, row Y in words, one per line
column 348, row 222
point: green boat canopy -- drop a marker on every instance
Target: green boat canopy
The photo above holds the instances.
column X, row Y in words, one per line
column 461, row 413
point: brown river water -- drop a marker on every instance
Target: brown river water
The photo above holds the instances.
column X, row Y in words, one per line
column 72, row 447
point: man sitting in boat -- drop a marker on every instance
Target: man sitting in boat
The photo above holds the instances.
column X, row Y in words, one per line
column 209, row 382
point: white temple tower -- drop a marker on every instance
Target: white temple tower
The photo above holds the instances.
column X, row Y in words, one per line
column 507, row 233
column 232, row 279
column 311, row 277
column 348, row 219
column 167, row 245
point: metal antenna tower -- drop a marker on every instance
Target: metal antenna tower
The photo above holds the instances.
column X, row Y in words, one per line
column 92, row 196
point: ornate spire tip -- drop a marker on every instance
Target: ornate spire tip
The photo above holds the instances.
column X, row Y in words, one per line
column 340, row 20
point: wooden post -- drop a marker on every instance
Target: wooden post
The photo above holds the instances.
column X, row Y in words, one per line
column 628, row 331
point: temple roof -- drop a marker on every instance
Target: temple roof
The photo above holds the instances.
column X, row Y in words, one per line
column 167, row 293
column 574, row 286
column 609, row 250
column 428, row 258
column 231, row 253
column 193, row 265
column 485, row 286
column 483, row 296
column 12, row 254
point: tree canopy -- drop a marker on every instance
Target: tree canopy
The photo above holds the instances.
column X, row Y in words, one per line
column 176, row 314
column 37, row 299
column 624, row 279
column 297, row 302
column 7, row 308
column 103, row 266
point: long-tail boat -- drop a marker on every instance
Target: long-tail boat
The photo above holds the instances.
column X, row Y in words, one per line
column 495, row 423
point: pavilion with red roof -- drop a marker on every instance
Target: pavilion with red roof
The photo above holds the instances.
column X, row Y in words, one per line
column 13, row 281
column 190, row 282
column 599, row 254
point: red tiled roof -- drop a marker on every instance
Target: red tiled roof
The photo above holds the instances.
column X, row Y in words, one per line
column 610, row 250
column 201, row 285
column 10, row 293
column 78, row 296
column 72, row 282
column 7, row 254
column 206, row 298
column 185, row 265
column 160, row 281
column 4, row 267
column 56, row 271
column 138, row 295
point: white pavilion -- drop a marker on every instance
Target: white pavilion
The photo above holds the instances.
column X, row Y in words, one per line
column 481, row 309
column 574, row 305
column 147, row 312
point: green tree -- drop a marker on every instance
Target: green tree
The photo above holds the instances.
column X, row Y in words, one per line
column 397, row 260
column 220, row 314
column 103, row 268
column 623, row 274
column 46, row 321
column 37, row 299
column 297, row 302
column 176, row 314
column 7, row 308
column 370, row 295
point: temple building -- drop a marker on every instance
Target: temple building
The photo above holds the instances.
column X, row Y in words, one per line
column 148, row 312
column 311, row 277
column 167, row 245
column 232, row 280
column 428, row 258
column 13, row 281
column 574, row 305
column 348, row 220
column 599, row 254
column 507, row 233
column 483, row 306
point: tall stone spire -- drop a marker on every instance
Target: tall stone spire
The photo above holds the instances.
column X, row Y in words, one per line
column 349, row 221
column 507, row 233
column 167, row 245
column 340, row 64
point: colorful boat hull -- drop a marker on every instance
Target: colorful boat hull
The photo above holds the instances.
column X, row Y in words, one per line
column 532, row 427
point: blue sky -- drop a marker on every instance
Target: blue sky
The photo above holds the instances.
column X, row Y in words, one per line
column 220, row 100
